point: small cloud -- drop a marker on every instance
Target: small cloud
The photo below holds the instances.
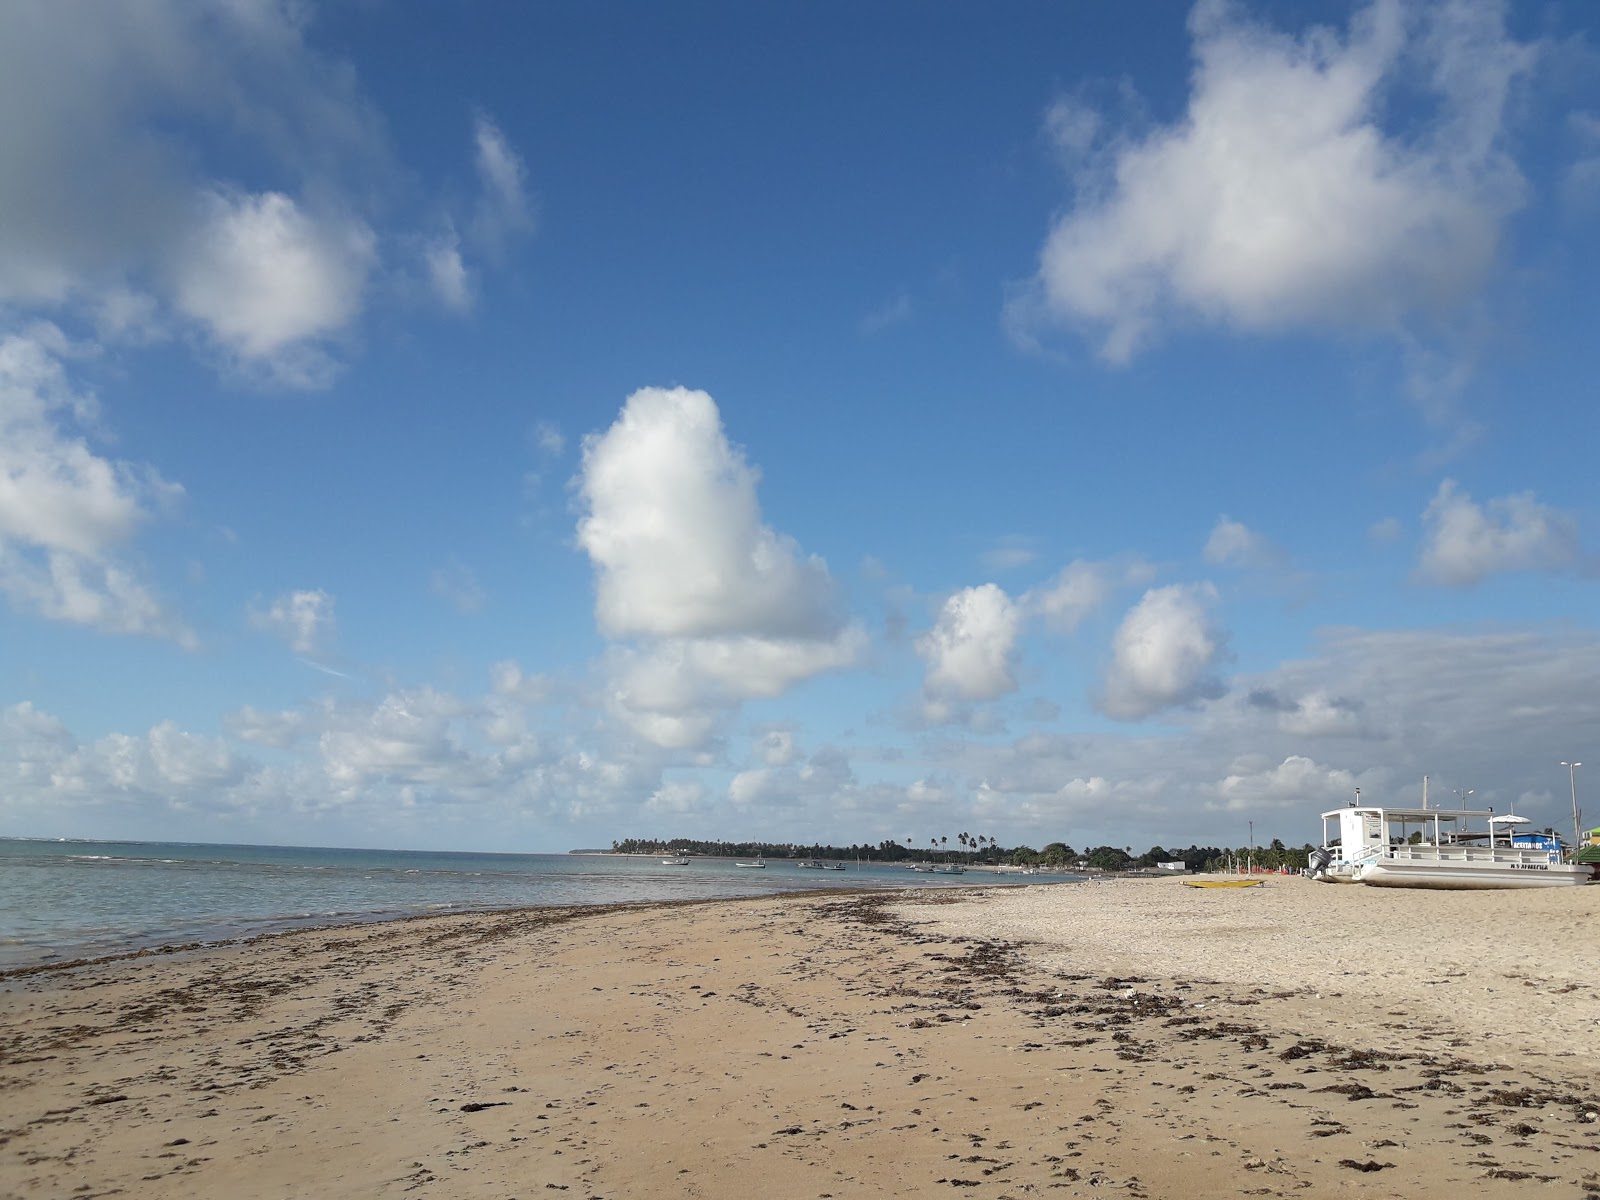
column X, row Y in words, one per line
column 457, row 583
column 302, row 619
column 1040, row 709
column 1233, row 544
column 896, row 312
column 1277, row 201
column 504, row 211
column 1386, row 531
column 1072, row 127
column 677, row 798
column 1164, row 653
column 1465, row 542
column 1013, row 551
column 1081, row 588
column 776, row 747
column 1580, row 191
column 447, row 274
column 270, row 280
column 971, row 650
column 323, row 667
column 549, row 439
column 508, row 681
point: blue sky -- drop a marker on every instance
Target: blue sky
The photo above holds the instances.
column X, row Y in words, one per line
column 519, row 428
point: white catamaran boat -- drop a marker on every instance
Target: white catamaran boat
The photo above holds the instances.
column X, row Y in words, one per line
column 1375, row 846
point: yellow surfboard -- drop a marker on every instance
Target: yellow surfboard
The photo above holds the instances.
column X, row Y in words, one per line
column 1223, row 882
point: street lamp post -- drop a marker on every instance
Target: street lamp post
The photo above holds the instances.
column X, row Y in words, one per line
column 1572, row 780
column 1462, row 796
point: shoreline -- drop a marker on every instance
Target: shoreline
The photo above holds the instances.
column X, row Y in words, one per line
column 869, row 1042
column 204, row 945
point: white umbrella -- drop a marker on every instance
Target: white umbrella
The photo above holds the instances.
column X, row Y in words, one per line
column 1509, row 819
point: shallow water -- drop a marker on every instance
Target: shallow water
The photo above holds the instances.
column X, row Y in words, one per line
column 73, row 899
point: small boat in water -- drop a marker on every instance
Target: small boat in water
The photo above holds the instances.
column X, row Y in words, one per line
column 1434, row 848
column 675, row 860
column 760, row 864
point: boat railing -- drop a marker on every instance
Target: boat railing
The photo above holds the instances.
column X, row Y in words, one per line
column 1465, row 852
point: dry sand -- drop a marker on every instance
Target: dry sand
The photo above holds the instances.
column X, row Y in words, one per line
column 1131, row 1038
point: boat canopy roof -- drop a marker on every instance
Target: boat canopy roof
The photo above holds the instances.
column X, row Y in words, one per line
column 1444, row 815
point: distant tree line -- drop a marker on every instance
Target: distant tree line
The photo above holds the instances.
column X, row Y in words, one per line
column 1271, row 857
column 984, row 850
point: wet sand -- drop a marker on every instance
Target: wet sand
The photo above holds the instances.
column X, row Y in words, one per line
column 1132, row 1038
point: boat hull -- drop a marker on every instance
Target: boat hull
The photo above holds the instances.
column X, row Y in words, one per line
column 1337, row 874
column 1457, row 878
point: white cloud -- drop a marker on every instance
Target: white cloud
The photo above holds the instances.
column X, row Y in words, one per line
column 549, row 439
column 1494, row 712
column 971, row 650
column 407, row 738
column 776, row 747
column 277, row 729
column 114, row 212
column 1279, row 201
column 768, row 666
column 897, row 311
column 458, row 584
column 508, row 680
column 447, row 273
column 672, row 690
column 1314, row 714
column 725, row 607
column 1012, row 551
column 1073, row 127
column 1386, row 530
column 677, row 798
column 1581, row 187
column 1296, row 783
column 1164, row 653
column 504, row 211
column 411, row 768
column 675, row 532
column 1233, row 544
column 303, row 619
column 165, row 766
column 425, row 768
column 267, row 278
column 1081, row 589
column 55, row 492
column 1465, row 542
column 824, row 781
column 65, row 512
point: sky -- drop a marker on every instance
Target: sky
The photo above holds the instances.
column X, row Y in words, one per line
column 519, row 427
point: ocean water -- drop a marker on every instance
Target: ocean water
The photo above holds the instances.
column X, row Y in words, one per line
column 73, row 899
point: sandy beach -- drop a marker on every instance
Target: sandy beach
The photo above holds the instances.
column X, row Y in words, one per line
column 1129, row 1037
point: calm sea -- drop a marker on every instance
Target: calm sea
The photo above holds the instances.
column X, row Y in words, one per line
column 73, row 899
